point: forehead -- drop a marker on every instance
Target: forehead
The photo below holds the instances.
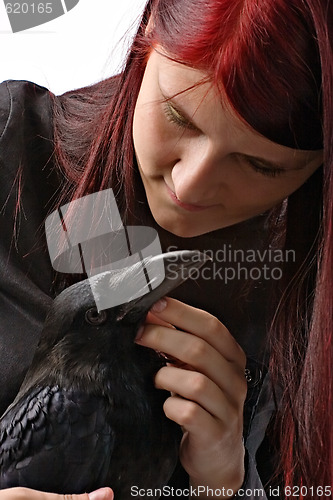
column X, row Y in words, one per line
column 178, row 78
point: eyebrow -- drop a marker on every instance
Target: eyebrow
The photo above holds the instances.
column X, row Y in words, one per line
column 270, row 165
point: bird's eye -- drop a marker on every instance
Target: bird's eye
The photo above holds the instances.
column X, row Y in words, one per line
column 93, row 317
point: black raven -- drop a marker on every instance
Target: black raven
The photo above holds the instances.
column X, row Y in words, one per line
column 87, row 414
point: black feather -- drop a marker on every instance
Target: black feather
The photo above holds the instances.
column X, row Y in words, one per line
column 87, row 414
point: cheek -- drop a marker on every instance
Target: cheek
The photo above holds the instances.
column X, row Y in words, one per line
column 279, row 192
column 285, row 186
column 154, row 145
column 250, row 193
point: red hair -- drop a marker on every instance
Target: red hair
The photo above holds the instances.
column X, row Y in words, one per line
column 273, row 60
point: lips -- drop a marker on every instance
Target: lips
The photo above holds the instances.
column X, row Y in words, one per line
column 186, row 206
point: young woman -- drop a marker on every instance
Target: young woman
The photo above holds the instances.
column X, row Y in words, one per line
column 218, row 133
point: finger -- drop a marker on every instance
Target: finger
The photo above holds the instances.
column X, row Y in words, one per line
column 154, row 320
column 197, row 353
column 20, row 493
column 202, row 324
column 202, row 426
column 207, row 439
column 200, row 389
column 100, row 494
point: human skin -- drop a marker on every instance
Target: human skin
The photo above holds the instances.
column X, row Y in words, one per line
column 209, row 168
column 204, row 169
column 207, row 387
column 29, row 494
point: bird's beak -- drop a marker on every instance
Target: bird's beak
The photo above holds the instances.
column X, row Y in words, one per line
column 178, row 267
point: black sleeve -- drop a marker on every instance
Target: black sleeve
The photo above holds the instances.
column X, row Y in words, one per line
column 27, row 189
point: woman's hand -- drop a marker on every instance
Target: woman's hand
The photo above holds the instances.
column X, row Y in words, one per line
column 208, row 389
column 28, row 494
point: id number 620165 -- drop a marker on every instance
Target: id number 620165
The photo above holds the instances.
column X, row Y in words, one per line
column 305, row 491
column 29, row 8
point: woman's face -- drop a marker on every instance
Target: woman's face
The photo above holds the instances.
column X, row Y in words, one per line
column 202, row 168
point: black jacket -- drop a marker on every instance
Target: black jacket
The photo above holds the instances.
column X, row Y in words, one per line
column 29, row 186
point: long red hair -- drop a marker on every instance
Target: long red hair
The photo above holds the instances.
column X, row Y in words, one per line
column 273, row 59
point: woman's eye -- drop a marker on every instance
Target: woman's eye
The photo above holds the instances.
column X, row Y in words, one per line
column 267, row 171
column 176, row 117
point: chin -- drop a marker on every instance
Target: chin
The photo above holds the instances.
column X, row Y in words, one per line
column 189, row 227
column 181, row 229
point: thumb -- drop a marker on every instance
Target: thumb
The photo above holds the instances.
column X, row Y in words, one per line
column 100, row 494
column 20, row 493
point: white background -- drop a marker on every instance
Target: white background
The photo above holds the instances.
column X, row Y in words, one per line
column 79, row 48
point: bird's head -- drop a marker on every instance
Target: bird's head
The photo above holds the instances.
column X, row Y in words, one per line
column 76, row 308
column 85, row 346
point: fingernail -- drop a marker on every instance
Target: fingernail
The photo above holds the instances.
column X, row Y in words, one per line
column 159, row 306
column 139, row 332
column 101, row 494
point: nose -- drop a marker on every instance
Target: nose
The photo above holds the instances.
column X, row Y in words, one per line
column 196, row 175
